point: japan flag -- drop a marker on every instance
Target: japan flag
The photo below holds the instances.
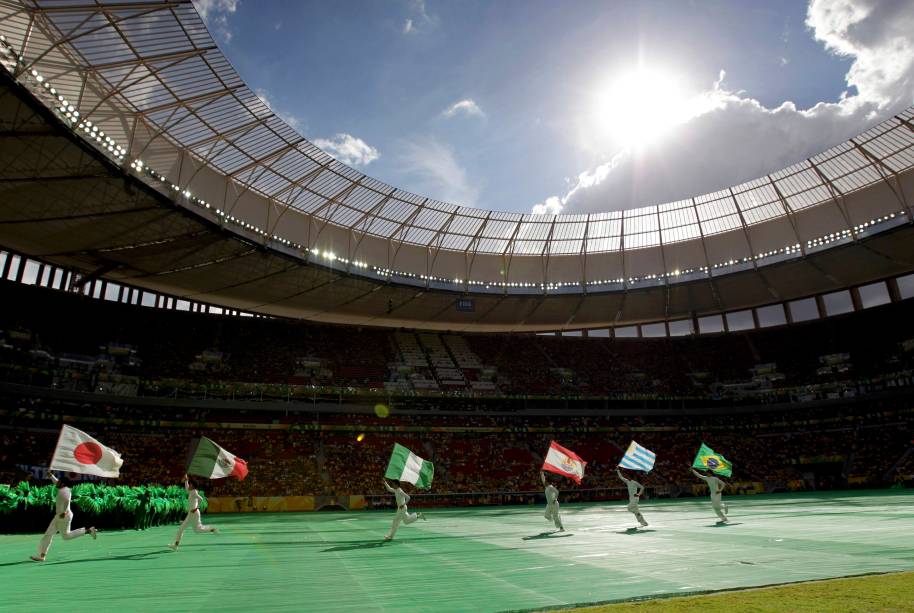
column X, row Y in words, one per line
column 77, row 452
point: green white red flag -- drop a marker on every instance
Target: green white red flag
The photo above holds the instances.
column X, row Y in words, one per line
column 207, row 459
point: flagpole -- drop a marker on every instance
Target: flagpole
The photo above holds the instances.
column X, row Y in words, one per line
column 59, row 436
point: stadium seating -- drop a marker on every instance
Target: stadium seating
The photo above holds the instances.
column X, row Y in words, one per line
column 118, row 349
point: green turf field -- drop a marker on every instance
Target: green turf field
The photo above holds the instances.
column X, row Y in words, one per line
column 484, row 559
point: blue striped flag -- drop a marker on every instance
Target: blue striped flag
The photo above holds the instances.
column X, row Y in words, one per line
column 638, row 458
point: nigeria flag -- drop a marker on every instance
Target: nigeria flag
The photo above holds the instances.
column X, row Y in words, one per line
column 406, row 466
column 706, row 459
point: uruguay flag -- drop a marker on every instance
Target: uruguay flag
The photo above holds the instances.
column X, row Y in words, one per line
column 638, row 458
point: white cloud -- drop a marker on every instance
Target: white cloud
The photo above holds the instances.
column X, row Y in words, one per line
column 552, row 206
column 879, row 35
column 348, row 149
column 434, row 170
column 216, row 15
column 206, row 8
column 293, row 121
column 419, row 19
column 467, row 107
column 735, row 137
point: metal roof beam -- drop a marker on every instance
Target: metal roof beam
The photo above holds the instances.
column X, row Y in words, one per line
column 885, row 172
column 113, row 6
column 266, row 158
column 149, row 59
column 219, row 93
column 219, row 136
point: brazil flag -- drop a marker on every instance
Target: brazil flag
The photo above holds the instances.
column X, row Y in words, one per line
column 706, row 459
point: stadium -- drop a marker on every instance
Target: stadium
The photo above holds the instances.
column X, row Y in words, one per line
column 177, row 261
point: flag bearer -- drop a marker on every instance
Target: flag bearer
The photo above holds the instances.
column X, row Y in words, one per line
column 63, row 517
column 403, row 514
column 193, row 514
column 552, row 503
column 716, row 487
column 635, row 490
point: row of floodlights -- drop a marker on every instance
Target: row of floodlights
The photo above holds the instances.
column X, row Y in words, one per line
column 70, row 112
column 140, row 167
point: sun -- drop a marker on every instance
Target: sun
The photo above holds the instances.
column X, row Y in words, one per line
column 639, row 107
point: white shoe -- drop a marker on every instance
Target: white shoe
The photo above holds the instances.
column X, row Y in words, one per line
column 422, row 517
column 388, row 538
column 644, row 524
column 172, row 546
column 37, row 558
column 94, row 533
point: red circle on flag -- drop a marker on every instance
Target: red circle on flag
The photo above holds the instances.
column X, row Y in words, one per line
column 88, row 453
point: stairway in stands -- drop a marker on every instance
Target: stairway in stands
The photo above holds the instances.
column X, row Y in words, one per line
column 448, row 375
column 413, row 358
column 471, row 367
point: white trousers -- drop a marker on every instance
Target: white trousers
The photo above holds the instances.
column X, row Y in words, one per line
column 633, row 508
column 718, row 506
column 192, row 519
column 61, row 525
column 403, row 516
column 552, row 514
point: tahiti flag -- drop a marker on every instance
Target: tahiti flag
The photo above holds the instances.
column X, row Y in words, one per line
column 564, row 462
column 406, row 466
column 77, row 452
column 708, row 460
column 638, row 458
column 207, row 459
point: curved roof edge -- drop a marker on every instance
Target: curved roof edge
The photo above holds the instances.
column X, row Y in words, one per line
column 180, row 118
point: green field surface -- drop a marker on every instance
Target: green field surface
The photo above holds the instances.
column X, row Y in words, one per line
column 480, row 559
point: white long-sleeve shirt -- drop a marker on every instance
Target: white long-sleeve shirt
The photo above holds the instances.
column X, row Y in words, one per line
column 714, row 484
column 193, row 498
column 63, row 500
column 552, row 494
column 64, row 496
column 634, row 488
column 401, row 496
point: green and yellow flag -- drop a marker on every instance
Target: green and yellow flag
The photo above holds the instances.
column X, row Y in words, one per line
column 706, row 459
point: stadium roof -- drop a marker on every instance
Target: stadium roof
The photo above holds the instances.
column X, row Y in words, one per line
column 146, row 85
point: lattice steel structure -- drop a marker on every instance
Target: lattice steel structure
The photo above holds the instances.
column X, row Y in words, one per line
column 145, row 84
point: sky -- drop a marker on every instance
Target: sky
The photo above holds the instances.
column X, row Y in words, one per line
column 537, row 106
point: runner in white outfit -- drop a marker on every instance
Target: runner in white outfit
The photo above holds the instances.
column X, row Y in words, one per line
column 403, row 514
column 63, row 517
column 716, row 487
column 193, row 514
column 635, row 490
column 552, row 503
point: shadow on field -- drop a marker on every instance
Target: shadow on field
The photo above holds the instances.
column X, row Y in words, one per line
column 721, row 524
column 634, row 531
column 359, row 545
column 547, row 535
column 17, row 563
column 132, row 556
